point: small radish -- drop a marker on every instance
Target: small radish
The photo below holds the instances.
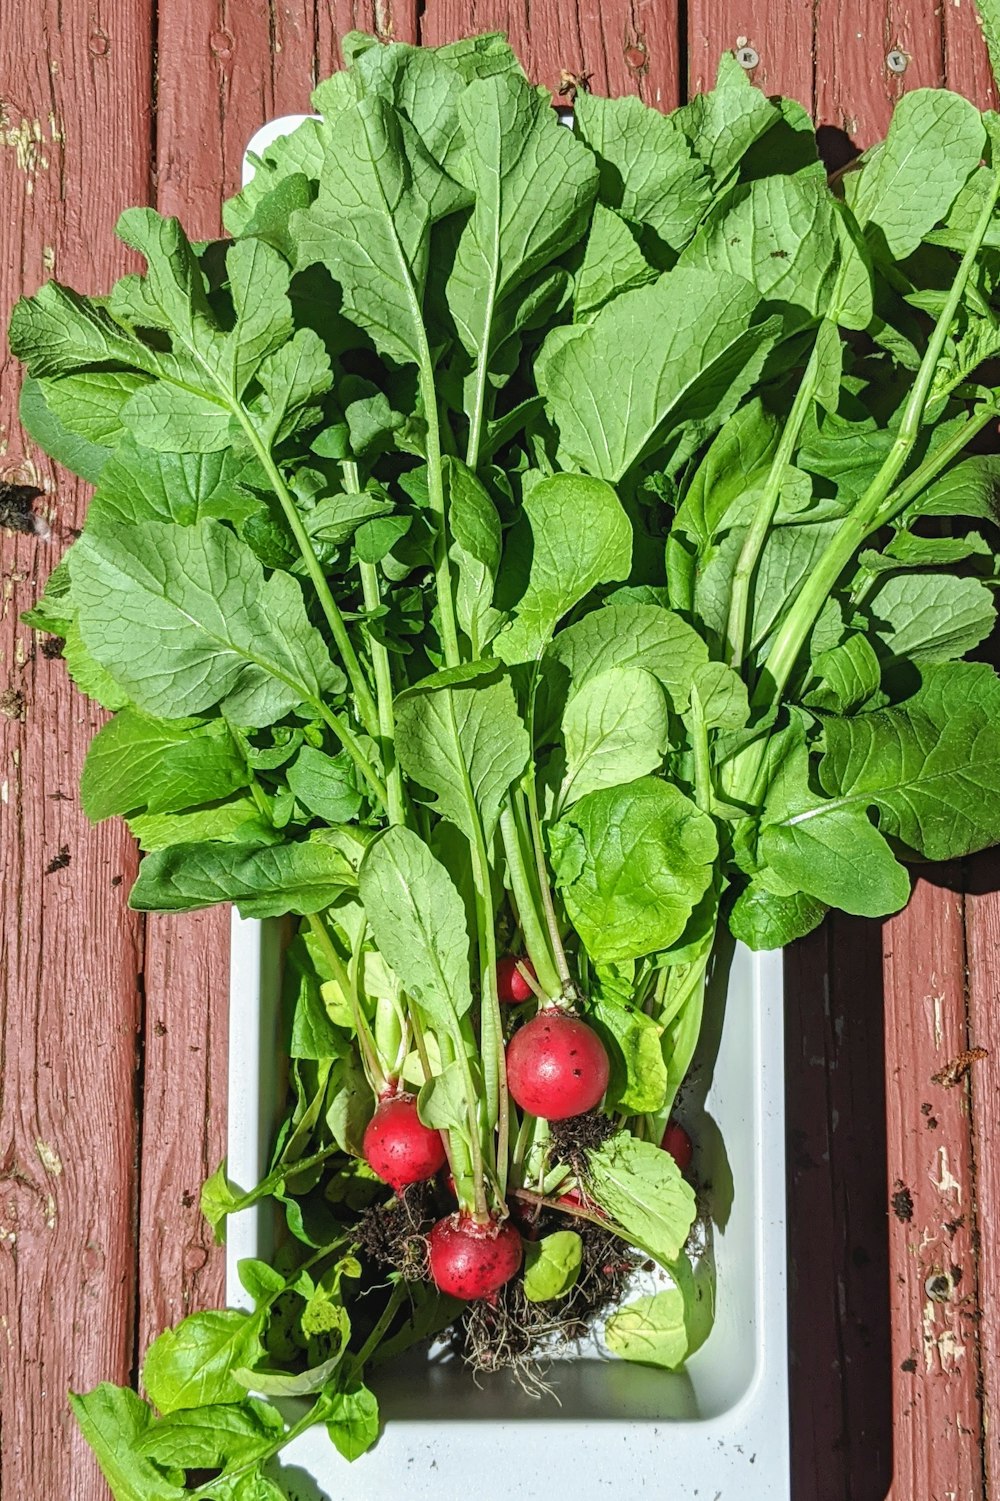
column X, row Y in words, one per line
column 397, row 1144
column 468, row 1260
column 556, row 1066
column 678, row 1143
column 512, row 987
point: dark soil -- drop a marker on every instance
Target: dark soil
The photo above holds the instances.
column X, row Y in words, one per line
column 574, row 1137
column 395, row 1234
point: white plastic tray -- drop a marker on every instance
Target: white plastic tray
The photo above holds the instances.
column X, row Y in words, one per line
column 716, row 1432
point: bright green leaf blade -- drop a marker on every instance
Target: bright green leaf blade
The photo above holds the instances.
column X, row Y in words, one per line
column 192, row 1365
column 615, row 729
column 762, row 920
column 460, row 736
column 934, row 143
column 723, row 124
column 676, row 353
column 639, row 1085
column 138, row 484
column 263, row 880
column 838, row 856
column 137, row 763
column 353, row 1424
column 183, row 618
column 78, row 454
column 650, row 1330
column 641, row 1188
column 326, row 785
column 114, row 1421
column 849, row 675
column 648, row 172
column 612, row 263
column 58, row 331
column 93, row 404
column 931, row 765
column 552, row 1266
column 475, row 551
column 235, row 818
column 930, row 617
column 632, row 863
column 582, row 538
column 418, row 922
column 207, row 1438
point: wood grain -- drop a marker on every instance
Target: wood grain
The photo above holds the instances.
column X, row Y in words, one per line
column 982, row 917
column 622, row 46
column 74, row 96
column 855, row 88
column 779, row 31
column 936, row 1407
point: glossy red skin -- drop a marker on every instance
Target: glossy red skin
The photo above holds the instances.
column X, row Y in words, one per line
column 678, row 1143
column 398, row 1146
column 512, row 987
column 556, row 1066
column 472, row 1261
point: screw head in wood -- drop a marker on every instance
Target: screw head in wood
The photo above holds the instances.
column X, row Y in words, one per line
column 747, row 57
column 897, row 61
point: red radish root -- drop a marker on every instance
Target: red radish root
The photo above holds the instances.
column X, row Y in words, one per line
column 398, row 1146
column 512, row 987
column 678, row 1143
column 468, row 1260
column 556, row 1066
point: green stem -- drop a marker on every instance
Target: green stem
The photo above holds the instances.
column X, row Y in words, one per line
column 935, row 462
column 763, row 516
column 526, row 901
column 435, row 494
column 329, row 606
column 794, row 630
column 681, row 1016
column 382, row 669
column 366, row 1042
column 548, row 906
column 380, row 1330
column 352, row 745
column 702, row 759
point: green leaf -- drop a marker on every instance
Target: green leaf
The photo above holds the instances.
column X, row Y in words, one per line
column 689, row 334
column 267, row 880
column 287, row 1383
column 639, row 1085
column 88, row 674
column 930, row 765
column 849, row 675
column 475, row 551
column 459, row 735
column 612, row 263
column 632, row 862
column 379, row 194
column 442, row 1101
column 418, row 922
column 138, row 484
column 92, row 404
column 67, row 447
column 57, row 331
column 778, row 233
column 640, row 1186
column 722, row 696
column 235, row 818
column 193, row 1364
column 353, row 1422
column 971, row 488
column 624, row 635
column 762, row 920
column 552, row 1265
column 615, row 729
column 208, row 1438
column 115, row 1421
column 184, row 619
column 650, row 1330
column 533, row 185
column 647, row 171
column 325, row 784
column 582, row 538
column 158, row 765
column 829, row 848
column 723, row 124
column 930, row 617
column 934, row 143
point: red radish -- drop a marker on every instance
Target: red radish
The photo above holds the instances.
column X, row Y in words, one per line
column 678, row 1143
column 512, row 987
column 397, row 1144
column 556, row 1066
column 469, row 1260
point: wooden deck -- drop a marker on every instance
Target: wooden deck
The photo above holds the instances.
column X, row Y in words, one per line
column 112, row 1091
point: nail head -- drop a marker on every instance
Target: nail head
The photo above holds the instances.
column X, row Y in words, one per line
column 747, row 57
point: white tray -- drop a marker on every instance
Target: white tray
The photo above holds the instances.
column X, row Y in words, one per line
column 716, row 1432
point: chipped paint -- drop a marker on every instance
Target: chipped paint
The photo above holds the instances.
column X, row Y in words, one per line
column 938, row 1004
column 49, row 257
column 49, row 1158
column 29, row 142
column 945, row 1182
column 4, row 792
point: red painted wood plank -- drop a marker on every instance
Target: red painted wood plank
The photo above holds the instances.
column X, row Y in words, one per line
column 780, row 32
column 966, row 64
column 75, row 97
column 937, row 1417
column 855, row 87
column 982, row 907
column 625, row 46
